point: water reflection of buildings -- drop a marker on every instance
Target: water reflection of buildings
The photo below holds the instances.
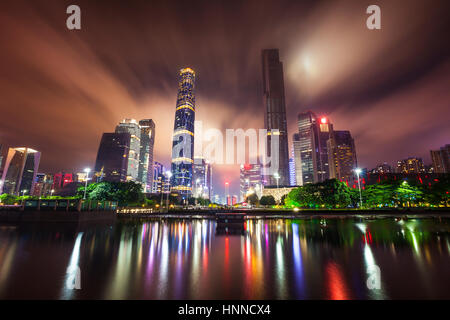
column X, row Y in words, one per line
column 275, row 258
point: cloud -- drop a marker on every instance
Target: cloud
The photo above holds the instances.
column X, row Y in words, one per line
column 62, row 89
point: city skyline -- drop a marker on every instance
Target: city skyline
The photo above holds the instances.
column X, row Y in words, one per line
column 382, row 106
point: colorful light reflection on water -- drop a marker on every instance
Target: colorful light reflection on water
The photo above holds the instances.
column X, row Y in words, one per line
column 261, row 259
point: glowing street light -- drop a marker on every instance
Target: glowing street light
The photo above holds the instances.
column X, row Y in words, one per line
column 277, row 177
column 87, row 170
column 358, row 171
column 23, row 195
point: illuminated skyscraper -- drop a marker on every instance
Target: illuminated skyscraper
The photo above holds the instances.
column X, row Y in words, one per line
column 202, row 178
column 342, row 156
column 250, row 180
column 19, row 174
column 292, row 180
column 441, row 159
column 275, row 113
column 158, row 177
column 132, row 127
column 310, row 147
column 112, row 157
column 145, row 173
column 305, row 149
column 297, row 159
column 183, row 134
column 410, row 165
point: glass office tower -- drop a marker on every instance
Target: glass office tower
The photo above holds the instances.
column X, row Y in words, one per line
column 275, row 113
column 183, row 134
column 145, row 173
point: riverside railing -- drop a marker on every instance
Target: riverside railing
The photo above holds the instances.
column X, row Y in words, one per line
column 63, row 205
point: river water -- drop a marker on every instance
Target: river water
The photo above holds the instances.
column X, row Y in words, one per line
column 336, row 258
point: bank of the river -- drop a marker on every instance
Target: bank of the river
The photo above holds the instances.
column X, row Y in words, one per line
column 291, row 214
column 27, row 216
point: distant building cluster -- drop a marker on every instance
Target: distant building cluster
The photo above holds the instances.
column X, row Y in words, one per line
column 318, row 152
column 127, row 153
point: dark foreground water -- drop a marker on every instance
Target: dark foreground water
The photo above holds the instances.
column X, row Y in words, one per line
column 276, row 259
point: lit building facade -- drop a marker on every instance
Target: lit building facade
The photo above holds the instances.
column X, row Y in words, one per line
column 250, row 180
column 410, row 165
column 297, row 155
column 382, row 168
column 160, row 180
column 145, row 172
column 202, row 178
column 342, row 156
column 43, row 185
column 292, row 180
column 112, row 157
column 19, row 173
column 305, row 148
column 441, row 159
column 132, row 127
column 311, row 148
column 275, row 113
column 183, row 134
column 61, row 179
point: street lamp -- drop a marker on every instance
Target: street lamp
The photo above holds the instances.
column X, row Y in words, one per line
column 23, row 195
column 87, row 170
column 227, row 184
column 276, row 176
column 169, row 175
column 358, row 171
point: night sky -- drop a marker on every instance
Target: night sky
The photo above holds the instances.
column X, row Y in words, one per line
column 60, row 89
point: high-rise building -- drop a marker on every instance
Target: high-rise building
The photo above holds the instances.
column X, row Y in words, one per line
column 145, row 172
column 275, row 113
column 112, row 157
column 305, row 144
column 250, row 180
column 61, row 179
column 382, row 168
column 183, row 134
column 202, row 178
column 342, row 156
column 325, row 133
column 43, row 185
column 441, row 159
column 292, row 181
column 297, row 155
column 19, row 174
column 132, row 127
column 1, row 158
column 311, row 147
column 158, row 177
column 410, row 165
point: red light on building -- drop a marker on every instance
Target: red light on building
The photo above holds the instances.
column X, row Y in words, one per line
column 226, row 183
column 323, row 120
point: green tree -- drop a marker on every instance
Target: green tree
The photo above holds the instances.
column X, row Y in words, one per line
column 334, row 194
column 8, row 199
column 126, row 193
column 267, row 201
column 253, row 199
